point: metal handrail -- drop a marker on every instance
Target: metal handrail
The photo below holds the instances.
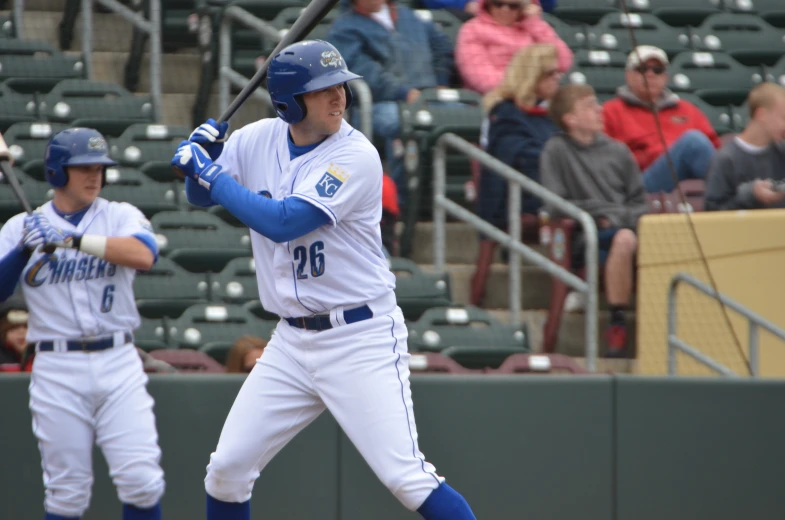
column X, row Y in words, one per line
column 512, row 240
column 675, row 344
column 227, row 76
column 151, row 27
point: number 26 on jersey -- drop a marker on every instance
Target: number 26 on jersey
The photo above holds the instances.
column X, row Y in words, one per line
column 311, row 257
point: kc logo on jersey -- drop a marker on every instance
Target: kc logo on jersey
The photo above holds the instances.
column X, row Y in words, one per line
column 331, row 181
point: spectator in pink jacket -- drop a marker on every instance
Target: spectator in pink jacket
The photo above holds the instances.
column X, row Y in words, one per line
column 487, row 43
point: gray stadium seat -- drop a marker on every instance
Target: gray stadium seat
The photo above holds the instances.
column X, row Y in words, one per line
column 612, row 32
column 107, row 107
column 715, row 77
column 198, row 241
column 745, row 37
column 212, row 325
column 603, row 70
column 29, row 66
column 168, row 289
column 27, row 144
column 236, row 283
column 129, row 185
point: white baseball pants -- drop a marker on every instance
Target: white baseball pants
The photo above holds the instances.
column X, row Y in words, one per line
column 360, row 372
column 78, row 398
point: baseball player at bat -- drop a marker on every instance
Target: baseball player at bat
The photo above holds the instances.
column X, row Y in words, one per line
column 309, row 186
column 87, row 384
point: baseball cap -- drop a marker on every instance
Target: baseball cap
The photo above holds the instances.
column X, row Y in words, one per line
column 643, row 53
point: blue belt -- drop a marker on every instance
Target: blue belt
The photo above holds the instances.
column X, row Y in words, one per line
column 86, row 345
column 322, row 322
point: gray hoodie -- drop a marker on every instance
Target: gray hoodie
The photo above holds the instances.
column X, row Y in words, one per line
column 601, row 178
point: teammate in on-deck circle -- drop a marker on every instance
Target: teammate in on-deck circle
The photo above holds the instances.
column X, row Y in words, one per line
column 87, row 384
column 309, row 186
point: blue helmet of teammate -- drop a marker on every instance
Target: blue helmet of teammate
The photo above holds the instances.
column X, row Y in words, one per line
column 304, row 67
column 75, row 147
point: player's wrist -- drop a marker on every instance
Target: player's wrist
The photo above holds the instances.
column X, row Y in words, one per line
column 94, row 245
column 210, row 175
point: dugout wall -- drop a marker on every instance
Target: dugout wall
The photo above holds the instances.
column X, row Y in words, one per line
column 518, row 447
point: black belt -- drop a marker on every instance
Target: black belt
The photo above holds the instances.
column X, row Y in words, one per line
column 91, row 345
column 322, row 322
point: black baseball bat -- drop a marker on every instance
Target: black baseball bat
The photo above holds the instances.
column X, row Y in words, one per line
column 309, row 18
column 16, row 187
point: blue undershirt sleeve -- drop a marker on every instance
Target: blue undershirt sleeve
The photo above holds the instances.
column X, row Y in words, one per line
column 11, row 267
column 197, row 194
column 149, row 242
column 278, row 220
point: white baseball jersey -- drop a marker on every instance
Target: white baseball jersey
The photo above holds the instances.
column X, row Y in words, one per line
column 72, row 294
column 339, row 264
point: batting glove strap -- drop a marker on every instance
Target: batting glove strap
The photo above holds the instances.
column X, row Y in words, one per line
column 209, row 174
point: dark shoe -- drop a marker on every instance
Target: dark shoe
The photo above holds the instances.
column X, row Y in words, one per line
column 616, row 341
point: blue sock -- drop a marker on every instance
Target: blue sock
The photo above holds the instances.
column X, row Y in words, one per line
column 444, row 503
column 137, row 513
column 218, row 510
column 52, row 516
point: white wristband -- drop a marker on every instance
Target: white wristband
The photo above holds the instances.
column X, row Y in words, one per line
column 93, row 245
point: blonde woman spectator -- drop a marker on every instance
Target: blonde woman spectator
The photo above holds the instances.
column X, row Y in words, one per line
column 244, row 353
column 487, row 43
column 518, row 126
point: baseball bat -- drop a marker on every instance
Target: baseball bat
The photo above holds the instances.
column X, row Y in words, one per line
column 309, row 18
column 16, row 187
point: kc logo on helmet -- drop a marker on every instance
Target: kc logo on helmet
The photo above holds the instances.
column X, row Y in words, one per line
column 331, row 181
column 331, row 59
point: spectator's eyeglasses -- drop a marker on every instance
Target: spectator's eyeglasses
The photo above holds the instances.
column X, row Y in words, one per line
column 656, row 69
column 552, row 73
column 514, row 6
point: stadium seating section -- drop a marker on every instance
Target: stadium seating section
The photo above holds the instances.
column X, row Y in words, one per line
column 202, row 294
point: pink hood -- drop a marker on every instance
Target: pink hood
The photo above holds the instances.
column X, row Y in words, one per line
column 485, row 47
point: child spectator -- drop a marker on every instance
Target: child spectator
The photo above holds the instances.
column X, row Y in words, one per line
column 244, row 354
column 743, row 173
column 14, row 354
column 487, row 43
column 599, row 175
column 644, row 106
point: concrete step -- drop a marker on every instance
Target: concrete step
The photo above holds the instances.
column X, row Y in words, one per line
column 111, row 32
column 571, row 340
column 44, row 5
column 177, row 109
column 535, row 286
column 179, row 71
column 462, row 244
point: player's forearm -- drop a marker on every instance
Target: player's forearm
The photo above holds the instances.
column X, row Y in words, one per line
column 278, row 220
column 130, row 251
column 11, row 267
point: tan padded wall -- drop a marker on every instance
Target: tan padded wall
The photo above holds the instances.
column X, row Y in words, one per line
column 745, row 252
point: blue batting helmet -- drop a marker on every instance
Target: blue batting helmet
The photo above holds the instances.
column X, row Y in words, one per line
column 75, row 147
column 304, row 67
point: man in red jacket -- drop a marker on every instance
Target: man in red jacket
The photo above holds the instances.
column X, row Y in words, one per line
column 632, row 118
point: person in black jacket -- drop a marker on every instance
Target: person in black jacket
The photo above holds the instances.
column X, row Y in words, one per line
column 518, row 126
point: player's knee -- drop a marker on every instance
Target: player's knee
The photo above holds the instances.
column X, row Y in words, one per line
column 625, row 242
column 142, row 487
column 69, row 499
column 225, row 483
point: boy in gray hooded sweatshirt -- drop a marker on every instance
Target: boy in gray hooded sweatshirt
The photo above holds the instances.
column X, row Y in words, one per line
column 599, row 175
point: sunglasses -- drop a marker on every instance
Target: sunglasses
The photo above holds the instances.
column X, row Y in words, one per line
column 552, row 73
column 656, row 69
column 511, row 5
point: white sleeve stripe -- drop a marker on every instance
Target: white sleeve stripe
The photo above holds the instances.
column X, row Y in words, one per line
column 323, row 207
